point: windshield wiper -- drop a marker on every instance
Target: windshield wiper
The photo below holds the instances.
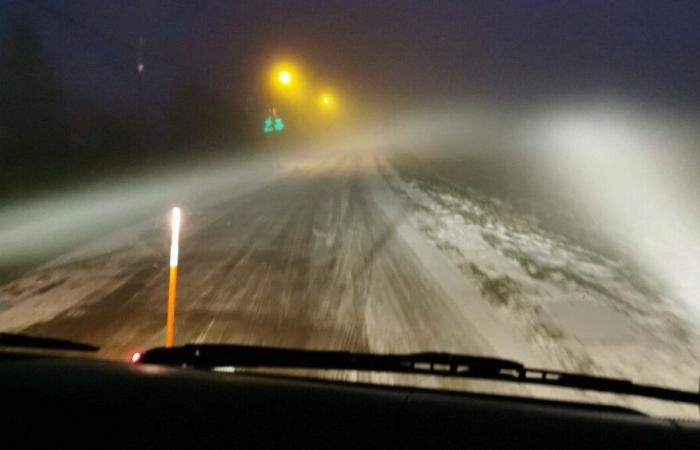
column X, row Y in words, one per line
column 44, row 343
column 210, row 356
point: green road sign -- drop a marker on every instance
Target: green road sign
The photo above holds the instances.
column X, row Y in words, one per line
column 273, row 124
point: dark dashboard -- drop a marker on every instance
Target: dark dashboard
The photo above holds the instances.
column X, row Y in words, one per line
column 67, row 402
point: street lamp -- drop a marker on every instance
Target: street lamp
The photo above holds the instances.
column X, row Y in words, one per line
column 284, row 77
column 326, row 101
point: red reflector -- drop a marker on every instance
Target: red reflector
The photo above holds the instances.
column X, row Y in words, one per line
column 136, row 357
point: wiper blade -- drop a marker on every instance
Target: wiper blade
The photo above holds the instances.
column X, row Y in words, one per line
column 44, row 343
column 210, row 356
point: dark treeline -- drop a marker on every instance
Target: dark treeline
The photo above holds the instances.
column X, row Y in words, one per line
column 51, row 137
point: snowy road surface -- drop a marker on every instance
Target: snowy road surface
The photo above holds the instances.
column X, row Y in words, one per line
column 310, row 259
column 335, row 252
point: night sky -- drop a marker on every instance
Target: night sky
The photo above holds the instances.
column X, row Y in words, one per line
column 388, row 50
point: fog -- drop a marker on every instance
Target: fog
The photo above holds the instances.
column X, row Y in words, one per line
column 638, row 176
column 626, row 174
column 39, row 227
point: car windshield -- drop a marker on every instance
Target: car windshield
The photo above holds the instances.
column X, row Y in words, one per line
column 516, row 180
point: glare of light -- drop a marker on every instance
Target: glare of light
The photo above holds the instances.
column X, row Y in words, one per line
column 627, row 172
column 136, row 357
column 286, row 81
column 326, row 101
column 174, row 245
column 71, row 222
column 284, row 77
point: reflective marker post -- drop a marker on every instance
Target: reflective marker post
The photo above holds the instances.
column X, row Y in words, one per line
column 172, row 283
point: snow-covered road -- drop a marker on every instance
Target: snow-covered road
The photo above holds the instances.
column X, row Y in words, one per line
column 339, row 251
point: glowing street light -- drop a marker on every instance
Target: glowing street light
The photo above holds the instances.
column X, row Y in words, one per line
column 284, row 77
column 172, row 281
column 326, row 101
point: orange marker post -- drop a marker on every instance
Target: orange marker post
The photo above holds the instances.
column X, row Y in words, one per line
column 172, row 283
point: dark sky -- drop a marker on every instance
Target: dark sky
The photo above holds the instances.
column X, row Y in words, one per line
column 374, row 48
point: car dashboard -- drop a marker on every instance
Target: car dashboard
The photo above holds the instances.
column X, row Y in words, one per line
column 73, row 402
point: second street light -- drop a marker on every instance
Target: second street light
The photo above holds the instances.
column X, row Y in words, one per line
column 326, row 101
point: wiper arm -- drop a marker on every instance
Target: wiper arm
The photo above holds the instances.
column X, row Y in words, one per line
column 26, row 341
column 210, row 356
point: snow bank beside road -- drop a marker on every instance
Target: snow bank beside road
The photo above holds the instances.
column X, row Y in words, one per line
column 581, row 311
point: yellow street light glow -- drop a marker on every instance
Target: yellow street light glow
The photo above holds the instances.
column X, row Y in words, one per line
column 284, row 77
column 172, row 279
column 326, row 101
column 286, row 80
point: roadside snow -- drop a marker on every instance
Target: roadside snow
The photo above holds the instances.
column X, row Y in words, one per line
column 581, row 311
